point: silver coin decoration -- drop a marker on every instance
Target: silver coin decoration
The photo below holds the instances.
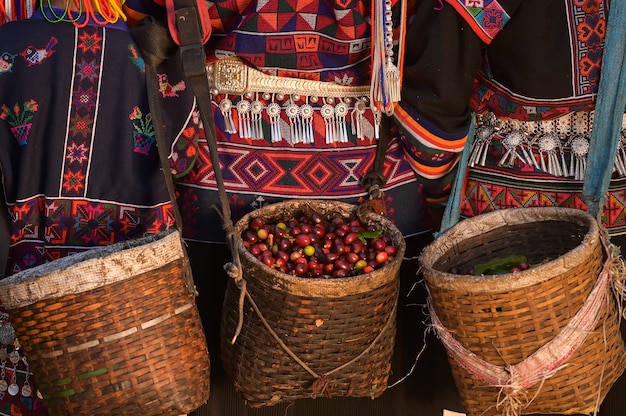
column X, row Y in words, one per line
column 7, row 334
column 14, row 389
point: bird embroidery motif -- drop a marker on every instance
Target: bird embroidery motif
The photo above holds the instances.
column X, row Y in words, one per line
column 6, row 62
column 35, row 56
column 136, row 58
column 169, row 90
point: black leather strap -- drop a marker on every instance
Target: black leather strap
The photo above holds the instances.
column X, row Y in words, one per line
column 5, row 233
column 194, row 65
column 156, row 46
column 155, row 50
column 374, row 180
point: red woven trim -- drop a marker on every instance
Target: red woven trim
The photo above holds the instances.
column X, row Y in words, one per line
column 413, row 128
column 467, row 16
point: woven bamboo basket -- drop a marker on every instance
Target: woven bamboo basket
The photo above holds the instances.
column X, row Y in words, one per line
column 113, row 330
column 516, row 323
column 337, row 335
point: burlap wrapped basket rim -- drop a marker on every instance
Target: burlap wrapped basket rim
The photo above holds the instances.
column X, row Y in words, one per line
column 89, row 270
column 475, row 226
column 538, row 341
column 332, row 288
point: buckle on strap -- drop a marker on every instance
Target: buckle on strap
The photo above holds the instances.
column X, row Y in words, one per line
column 232, row 76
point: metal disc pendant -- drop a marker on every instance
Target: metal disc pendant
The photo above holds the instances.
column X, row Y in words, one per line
column 27, row 390
column 3, row 385
column 14, row 389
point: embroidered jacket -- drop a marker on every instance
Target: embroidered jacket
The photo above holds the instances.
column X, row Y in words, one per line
column 77, row 151
column 533, row 64
column 297, row 145
column 78, row 160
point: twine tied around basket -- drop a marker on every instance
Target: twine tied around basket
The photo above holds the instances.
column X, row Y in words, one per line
column 514, row 380
column 193, row 58
column 321, row 382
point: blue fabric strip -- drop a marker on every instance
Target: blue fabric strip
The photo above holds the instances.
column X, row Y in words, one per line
column 609, row 111
column 452, row 213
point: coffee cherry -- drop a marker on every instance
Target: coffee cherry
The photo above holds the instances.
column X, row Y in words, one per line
column 250, row 237
column 352, row 258
column 391, row 250
column 262, row 233
column 360, row 264
column 382, row 257
column 309, row 250
column 257, row 222
column 312, row 246
column 350, row 238
column 378, row 244
column 303, row 240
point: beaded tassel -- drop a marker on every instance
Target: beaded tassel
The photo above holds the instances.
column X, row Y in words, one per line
column 549, row 146
column 377, row 119
column 341, row 111
column 256, row 109
column 512, row 142
column 306, row 111
column 243, row 111
column 356, row 118
column 295, row 123
column 478, row 151
column 386, row 76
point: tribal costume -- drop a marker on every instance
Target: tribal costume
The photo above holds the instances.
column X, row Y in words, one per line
column 302, row 126
column 77, row 151
column 530, row 71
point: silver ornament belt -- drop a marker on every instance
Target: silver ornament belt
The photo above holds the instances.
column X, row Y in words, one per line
column 558, row 147
column 340, row 106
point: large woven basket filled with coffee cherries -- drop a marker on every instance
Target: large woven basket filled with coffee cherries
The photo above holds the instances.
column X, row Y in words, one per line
column 314, row 312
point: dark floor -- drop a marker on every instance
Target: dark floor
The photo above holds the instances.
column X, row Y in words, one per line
column 426, row 391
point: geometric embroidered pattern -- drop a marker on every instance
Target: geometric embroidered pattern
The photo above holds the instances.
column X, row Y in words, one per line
column 82, row 112
column 487, row 17
column 306, row 172
column 487, row 191
column 57, row 226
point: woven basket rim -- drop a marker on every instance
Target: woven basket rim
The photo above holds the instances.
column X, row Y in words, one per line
column 91, row 269
column 473, row 226
column 335, row 287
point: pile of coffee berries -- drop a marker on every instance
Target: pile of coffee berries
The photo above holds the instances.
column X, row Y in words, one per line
column 313, row 246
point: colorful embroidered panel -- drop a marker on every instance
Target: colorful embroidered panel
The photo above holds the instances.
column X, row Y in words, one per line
column 486, row 17
column 257, row 172
column 487, row 190
column 78, row 158
column 587, row 25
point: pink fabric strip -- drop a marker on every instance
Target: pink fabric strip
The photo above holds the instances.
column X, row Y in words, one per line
column 548, row 359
